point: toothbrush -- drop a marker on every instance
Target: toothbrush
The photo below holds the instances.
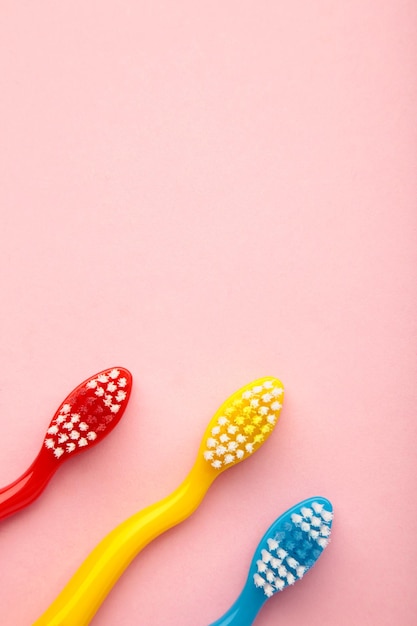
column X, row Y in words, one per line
column 289, row 548
column 237, row 430
column 86, row 416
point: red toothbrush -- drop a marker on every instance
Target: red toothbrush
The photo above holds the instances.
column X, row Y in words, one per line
column 85, row 417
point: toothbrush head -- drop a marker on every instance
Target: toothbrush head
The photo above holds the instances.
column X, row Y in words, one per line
column 291, row 546
column 89, row 413
column 243, row 423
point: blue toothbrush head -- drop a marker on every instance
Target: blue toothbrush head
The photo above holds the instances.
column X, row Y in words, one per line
column 291, row 546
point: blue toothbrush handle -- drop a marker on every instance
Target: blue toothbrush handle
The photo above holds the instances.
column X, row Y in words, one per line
column 244, row 611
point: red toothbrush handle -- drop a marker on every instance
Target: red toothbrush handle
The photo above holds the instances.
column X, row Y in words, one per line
column 29, row 486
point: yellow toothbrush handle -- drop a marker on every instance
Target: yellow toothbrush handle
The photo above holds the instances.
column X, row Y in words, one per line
column 81, row 598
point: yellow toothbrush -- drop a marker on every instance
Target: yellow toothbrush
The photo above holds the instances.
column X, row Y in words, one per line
column 237, row 430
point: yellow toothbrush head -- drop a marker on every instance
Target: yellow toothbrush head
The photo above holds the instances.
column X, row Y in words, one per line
column 242, row 424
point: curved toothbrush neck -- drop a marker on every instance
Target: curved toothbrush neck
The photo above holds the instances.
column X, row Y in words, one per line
column 174, row 508
column 244, row 611
column 29, row 486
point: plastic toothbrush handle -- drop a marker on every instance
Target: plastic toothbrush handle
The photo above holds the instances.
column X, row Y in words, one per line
column 29, row 486
column 87, row 589
column 244, row 611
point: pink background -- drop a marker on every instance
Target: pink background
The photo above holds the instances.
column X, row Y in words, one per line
column 207, row 193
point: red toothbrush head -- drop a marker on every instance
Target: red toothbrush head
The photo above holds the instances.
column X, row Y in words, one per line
column 85, row 417
column 89, row 413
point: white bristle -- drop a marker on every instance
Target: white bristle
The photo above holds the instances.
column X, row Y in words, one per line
column 266, row 556
column 282, row 553
column 240, row 454
column 75, row 418
column 232, row 429
column 276, row 406
column 305, row 526
column 325, row 531
column 268, row 384
column 215, row 431
column 277, row 391
column 49, row 443
column 216, row 464
column 208, row 455
column 327, row 515
column 220, row 450
column 246, row 395
column 296, row 519
column 316, row 522
column 306, row 512
column 314, row 534
column 82, row 442
column 317, row 508
column 108, row 400
column 229, row 458
column 282, row 571
column 83, row 426
column 58, row 452
column 267, row 397
column 211, row 443
column 232, row 446
column 224, row 438
column 222, row 420
column 258, row 580
column 53, row 430
column 262, row 567
column 91, row 435
column 254, row 403
column 279, row 584
column 257, row 389
column 249, row 447
column 268, row 590
column 263, row 410
column 290, row 578
column 272, row 544
column 70, row 447
column 301, row 570
column 271, row 419
column 292, row 562
column 269, row 575
column 275, row 563
column 323, row 542
column 240, row 438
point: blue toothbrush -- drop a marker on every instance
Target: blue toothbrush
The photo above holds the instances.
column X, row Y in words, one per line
column 289, row 548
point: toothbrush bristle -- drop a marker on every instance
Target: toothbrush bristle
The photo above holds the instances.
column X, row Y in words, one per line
column 291, row 546
column 89, row 413
column 243, row 423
